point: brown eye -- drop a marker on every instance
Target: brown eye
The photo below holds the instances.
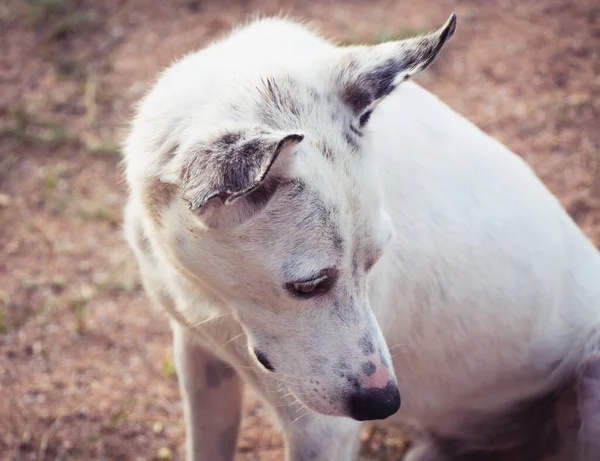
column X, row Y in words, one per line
column 305, row 287
column 309, row 288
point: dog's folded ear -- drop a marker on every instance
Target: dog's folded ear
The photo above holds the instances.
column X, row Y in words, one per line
column 230, row 166
column 366, row 74
column 589, row 406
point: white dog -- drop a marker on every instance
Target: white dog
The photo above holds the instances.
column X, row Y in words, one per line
column 297, row 207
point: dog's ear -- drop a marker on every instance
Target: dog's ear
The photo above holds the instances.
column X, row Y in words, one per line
column 222, row 177
column 366, row 74
column 589, row 405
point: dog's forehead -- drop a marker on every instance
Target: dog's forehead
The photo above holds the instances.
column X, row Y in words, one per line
column 318, row 111
column 316, row 219
column 315, row 108
column 304, row 208
column 325, row 204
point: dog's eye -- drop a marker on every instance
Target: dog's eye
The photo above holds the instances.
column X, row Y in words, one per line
column 305, row 288
column 309, row 288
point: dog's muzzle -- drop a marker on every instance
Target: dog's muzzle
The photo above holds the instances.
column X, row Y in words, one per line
column 367, row 404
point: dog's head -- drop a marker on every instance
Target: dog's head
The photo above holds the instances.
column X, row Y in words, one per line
column 267, row 200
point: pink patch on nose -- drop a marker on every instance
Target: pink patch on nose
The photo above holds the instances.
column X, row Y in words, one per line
column 375, row 375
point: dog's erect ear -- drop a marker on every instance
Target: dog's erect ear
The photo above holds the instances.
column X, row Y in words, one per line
column 368, row 73
column 230, row 166
column 589, row 406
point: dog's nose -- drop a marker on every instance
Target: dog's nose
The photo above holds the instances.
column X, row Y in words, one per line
column 371, row 403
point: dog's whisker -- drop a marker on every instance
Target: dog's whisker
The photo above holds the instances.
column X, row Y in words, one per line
column 289, row 404
column 301, row 408
column 196, row 325
column 234, row 338
column 293, row 394
column 301, row 416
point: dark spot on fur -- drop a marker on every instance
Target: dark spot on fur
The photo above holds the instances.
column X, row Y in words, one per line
column 295, row 187
column 368, row 368
column 228, row 441
column 345, row 311
column 355, row 130
column 351, row 140
column 355, row 267
column 317, row 213
column 283, row 97
column 144, row 243
column 327, row 151
column 370, row 263
column 140, row 236
column 338, row 241
column 353, row 380
column 229, row 138
column 341, row 368
column 357, row 96
column 366, row 345
column 216, row 372
column 313, row 93
column 193, row 6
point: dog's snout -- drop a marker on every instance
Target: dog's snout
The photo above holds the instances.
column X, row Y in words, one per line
column 372, row 403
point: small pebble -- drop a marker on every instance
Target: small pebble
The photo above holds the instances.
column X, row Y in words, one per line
column 4, row 200
column 157, row 428
column 164, row 453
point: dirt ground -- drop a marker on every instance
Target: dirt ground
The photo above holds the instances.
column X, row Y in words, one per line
column 85, row 367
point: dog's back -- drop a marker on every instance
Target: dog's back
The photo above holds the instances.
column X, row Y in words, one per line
column 495, row 288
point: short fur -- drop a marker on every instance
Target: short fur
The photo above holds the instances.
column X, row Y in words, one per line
column 272, row 159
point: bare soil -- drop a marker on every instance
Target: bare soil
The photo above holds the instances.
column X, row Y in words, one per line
column 85, row 366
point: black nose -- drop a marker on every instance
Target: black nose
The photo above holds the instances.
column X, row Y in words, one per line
column 374, row 403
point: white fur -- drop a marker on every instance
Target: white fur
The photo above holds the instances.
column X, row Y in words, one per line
column 486, row 293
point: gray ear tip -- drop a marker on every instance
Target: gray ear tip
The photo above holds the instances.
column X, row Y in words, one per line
column 449, row 28
column 294, row 138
